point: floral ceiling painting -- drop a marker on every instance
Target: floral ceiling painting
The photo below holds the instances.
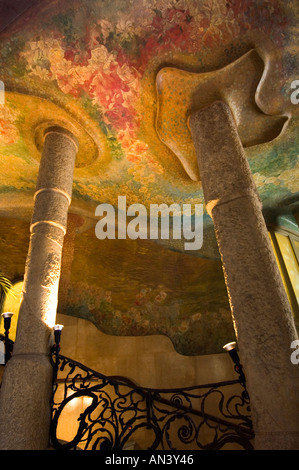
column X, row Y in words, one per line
column 95, row 64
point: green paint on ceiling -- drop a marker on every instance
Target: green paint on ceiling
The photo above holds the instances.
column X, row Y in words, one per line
column 95, row 64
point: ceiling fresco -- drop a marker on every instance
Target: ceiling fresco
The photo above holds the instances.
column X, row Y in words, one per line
column 124, row 75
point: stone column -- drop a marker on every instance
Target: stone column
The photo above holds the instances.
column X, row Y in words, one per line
column 261, row 313
column 74, row 221
column 27, row 382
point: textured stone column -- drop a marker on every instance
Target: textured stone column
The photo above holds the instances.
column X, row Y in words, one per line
column 74, row 221
column 27, row 382
column 261, row 313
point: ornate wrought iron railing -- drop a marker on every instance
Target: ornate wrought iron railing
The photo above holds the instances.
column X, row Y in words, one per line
column 115, row 412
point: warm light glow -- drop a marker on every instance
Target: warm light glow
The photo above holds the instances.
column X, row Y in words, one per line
column 50, row 307
column 229, row 346
column 57, row 327
column 87, row 401
column 73, row 403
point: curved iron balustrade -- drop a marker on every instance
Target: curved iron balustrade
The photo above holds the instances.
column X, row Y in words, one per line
column 204, row 417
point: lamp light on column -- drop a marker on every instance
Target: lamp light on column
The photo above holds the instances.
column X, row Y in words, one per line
column 57, row 335
column 7, row 342
column 231, row 349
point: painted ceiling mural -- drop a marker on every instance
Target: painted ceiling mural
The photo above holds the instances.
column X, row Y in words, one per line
column 118, row 72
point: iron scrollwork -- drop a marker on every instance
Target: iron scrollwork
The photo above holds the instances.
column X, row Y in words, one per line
column 116, row 412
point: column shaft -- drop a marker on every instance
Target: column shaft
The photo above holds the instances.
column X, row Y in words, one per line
column 27, row 382
column 261, row 312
